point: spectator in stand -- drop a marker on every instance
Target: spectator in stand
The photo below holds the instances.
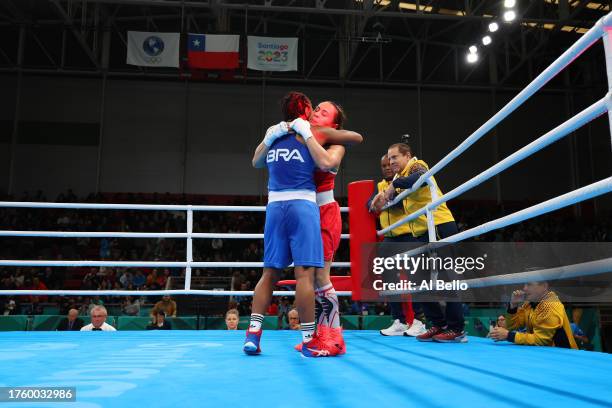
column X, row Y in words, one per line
column 500, row 322
column 293, row 318
column 35, row 307
column 10, row 307
column 232, row 317
column 283, row 311
column 37, row 284
column 151, row 279
column 167, row 305
column 126, row 278
column 159, row 321
column 582, row 340
column 162, row 278
column 71, row 322
column 272, row 309
column 98, row 320
column 139, row 279
column 356, row 308
column 95, row 301
column 131, row 308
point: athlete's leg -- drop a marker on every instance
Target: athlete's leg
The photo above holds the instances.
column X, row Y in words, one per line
column 262, row 296
column 327, row 297
column 305, row 302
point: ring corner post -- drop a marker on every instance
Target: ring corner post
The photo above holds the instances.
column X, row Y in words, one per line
column 362, row 226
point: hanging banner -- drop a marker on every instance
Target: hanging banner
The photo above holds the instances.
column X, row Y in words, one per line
column 153, row 49
column 272, row 54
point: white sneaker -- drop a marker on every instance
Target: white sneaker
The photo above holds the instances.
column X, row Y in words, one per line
column 417, row 328
column 396, row 329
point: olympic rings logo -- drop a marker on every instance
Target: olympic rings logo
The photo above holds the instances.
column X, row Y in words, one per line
column 153, row 60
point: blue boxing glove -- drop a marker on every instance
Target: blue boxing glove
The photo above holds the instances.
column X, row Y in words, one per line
column 302, row 127
column 274, row 132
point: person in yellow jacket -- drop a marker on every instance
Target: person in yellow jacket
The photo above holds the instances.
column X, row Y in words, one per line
column 542, row 315
column 402, row 313
column 446, row 326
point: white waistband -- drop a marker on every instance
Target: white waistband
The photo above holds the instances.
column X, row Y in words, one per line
column 292, row 195
column 325, row 197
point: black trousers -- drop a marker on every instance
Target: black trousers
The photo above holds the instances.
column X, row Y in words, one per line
column 397, row 311
column 452, row 316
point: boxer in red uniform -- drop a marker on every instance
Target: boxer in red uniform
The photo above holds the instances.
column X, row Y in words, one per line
column 328, row 115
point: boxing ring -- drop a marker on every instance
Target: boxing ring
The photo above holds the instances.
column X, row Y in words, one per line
column 208, row 368
column 200, row 368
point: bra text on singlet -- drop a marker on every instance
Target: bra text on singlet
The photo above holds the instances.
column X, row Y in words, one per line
column 285, row 154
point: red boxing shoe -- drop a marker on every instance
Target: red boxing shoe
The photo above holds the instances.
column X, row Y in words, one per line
column 332, row 338
column 316, row 348
column 322, row 333
column 337, row 340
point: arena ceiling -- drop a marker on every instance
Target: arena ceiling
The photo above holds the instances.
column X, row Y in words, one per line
column 383, row 43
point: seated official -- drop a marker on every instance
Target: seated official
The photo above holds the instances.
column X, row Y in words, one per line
column 542, row 315
column 98, row 320
column 159, row 321
column 71, row 322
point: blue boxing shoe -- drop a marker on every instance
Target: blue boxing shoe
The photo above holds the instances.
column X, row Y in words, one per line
column 251, row 343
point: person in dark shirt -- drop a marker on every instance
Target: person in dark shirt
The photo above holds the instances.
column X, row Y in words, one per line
column 159, row 321
column 71, row 322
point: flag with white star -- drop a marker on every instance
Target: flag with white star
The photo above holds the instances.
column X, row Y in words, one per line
column 212, row 51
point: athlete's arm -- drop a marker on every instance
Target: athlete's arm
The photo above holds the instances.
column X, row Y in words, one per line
column 326, row 135
column 259, row 157
column 273, row 133
column 325, row 159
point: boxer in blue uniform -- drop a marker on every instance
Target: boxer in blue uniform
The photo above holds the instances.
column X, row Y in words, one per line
column 292, row 231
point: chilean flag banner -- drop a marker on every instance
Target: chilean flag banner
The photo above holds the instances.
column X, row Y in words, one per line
column 212, row 51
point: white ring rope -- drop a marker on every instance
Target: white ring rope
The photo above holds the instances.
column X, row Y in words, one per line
column 147, row 292
column 145, row 207
column 189, row 235
column 146, row 264
column 73, row 234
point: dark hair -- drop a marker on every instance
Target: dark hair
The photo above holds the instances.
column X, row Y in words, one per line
column 402, row 147
column 340, row 115
column 293, row 105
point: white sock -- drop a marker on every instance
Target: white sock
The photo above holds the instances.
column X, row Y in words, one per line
column 331, row 308
column 256, row 321
column 308, row 330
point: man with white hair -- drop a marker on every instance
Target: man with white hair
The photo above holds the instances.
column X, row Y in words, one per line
column 71, row 322
column 98, row 320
